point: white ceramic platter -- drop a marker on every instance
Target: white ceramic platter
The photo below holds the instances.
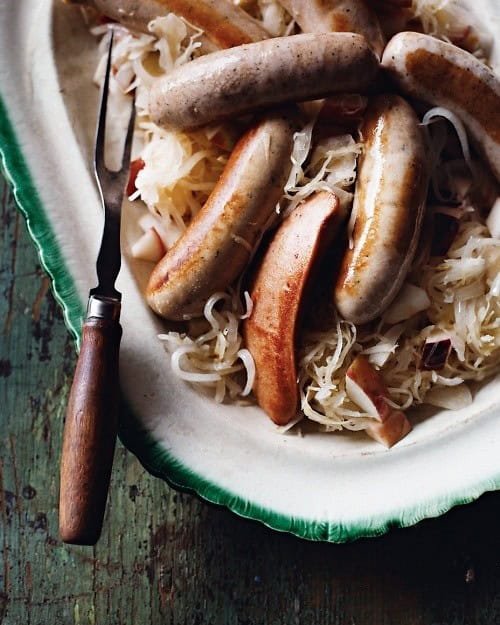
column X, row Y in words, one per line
column 318, row 486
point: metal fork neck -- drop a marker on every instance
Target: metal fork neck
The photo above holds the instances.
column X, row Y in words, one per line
column 103, row 308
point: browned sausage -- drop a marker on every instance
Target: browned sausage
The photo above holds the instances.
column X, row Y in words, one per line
column 224, row 24
column 219, row 241
column 351, row 16
column 278, row 293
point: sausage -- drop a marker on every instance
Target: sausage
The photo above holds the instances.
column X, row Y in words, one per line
column 258, row 75
column 219, row 241
column 323, row 16
column 224, row 24
column 279, row 292
column 389, row 198
column 441, row 74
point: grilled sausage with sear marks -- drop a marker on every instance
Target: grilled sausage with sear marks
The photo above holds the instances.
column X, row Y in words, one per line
column 219, row 241
column 224, row 25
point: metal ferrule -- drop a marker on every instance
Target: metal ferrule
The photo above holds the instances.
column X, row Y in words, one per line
column 103, row 308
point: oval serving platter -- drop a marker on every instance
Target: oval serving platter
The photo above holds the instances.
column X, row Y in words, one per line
column 318, row 486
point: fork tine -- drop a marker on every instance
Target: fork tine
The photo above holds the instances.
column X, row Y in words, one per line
column 99, row 164
column 127, row 149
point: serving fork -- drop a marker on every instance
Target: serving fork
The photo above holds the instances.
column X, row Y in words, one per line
column 92, row 413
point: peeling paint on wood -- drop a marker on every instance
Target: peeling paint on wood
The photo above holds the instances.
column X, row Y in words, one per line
column 167, row 558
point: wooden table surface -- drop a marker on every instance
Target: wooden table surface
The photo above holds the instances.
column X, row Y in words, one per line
column 169, row 558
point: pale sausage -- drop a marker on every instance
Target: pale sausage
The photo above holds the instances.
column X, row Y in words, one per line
column 260, row 75
column 441, row 74
column 389, row 198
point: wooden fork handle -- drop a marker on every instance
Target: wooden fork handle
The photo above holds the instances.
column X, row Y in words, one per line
column 90, row 433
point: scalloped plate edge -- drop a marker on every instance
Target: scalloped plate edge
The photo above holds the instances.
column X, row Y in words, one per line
column 152, row 455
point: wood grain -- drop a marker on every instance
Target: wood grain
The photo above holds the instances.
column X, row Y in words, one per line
column 90, row 433
column 167, row 558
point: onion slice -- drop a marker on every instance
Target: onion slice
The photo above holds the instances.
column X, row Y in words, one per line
column 440, row 111
column 149, row 246
column 493, row 220
column 449, row 397
column 410, row 300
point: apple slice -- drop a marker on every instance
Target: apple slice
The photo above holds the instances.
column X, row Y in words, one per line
column 149, row 247
column 409, row 301
column 135, row 168
column 366, row 388
column 391, row 431
column 278, row 293
column 166, row 229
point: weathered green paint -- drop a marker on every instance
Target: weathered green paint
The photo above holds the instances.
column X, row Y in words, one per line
column 167, row 558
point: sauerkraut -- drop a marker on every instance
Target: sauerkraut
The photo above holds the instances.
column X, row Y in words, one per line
column 211, row 353
column 451, row 21
column 458, row 293
column 463, row 289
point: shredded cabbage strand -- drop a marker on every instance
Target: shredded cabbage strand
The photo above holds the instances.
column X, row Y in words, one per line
column 211, row 353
